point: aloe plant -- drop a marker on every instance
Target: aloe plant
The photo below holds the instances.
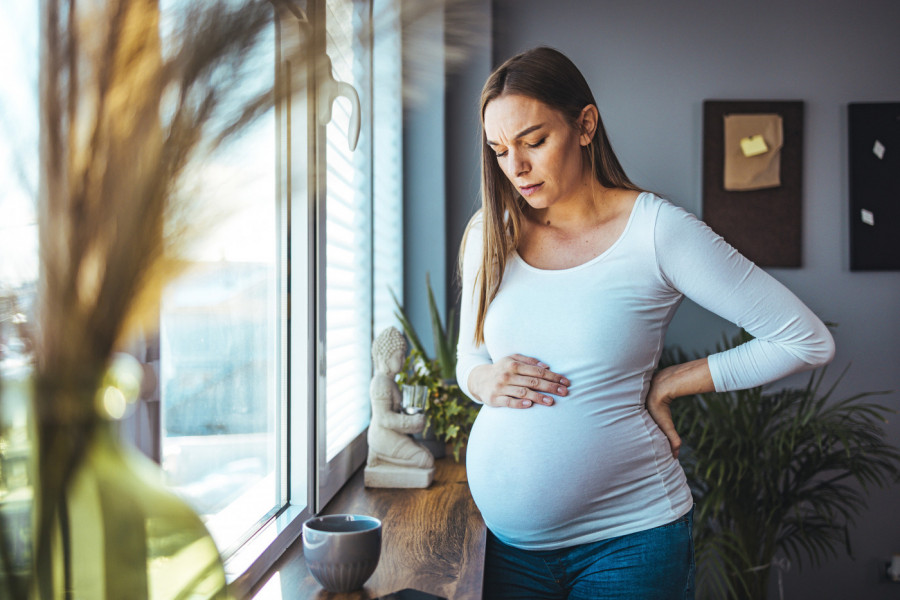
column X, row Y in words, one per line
column 781, row 473
column 445, row 338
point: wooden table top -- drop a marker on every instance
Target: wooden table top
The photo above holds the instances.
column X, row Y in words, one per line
column 432, row 540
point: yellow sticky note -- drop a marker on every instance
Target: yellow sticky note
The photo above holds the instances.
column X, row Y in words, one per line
column 753, row 145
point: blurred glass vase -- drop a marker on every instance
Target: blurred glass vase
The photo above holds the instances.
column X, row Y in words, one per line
column 113, row 529
column 130, row 537
column 414, row 397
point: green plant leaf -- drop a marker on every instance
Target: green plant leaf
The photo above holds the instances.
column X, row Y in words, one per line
column 408, row 328
column 444, row 347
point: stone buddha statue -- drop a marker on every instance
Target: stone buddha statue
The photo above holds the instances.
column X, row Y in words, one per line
column 395, row 459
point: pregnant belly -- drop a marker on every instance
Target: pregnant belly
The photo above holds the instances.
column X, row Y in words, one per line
column 541, row 473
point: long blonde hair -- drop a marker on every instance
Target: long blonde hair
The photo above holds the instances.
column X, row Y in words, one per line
column 547, row 76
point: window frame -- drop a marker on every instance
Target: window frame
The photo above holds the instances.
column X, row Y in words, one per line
column 300, row 194
column 295, row 114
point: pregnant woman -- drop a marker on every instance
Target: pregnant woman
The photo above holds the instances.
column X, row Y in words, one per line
column 571, row 275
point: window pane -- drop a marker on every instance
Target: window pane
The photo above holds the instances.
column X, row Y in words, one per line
column 220, row 361
column 18, row 275
column 18, row 148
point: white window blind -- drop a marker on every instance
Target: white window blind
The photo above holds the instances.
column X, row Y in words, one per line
column 348, row 235
column 387, row 109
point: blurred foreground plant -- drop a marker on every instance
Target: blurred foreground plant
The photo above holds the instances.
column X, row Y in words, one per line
column 123, row 118
column 773, row 473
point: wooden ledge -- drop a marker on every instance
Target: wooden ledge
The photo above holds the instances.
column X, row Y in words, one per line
column 432, row 540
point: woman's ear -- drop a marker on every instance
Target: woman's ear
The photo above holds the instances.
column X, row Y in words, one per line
column 587, row 124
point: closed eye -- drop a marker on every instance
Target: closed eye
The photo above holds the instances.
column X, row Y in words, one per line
column 537, row 144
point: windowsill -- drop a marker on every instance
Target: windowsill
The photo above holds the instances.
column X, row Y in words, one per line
column 433, row 541
column 251, row 563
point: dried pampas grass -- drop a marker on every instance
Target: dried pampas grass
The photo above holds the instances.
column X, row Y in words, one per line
column 121, row 120
column 119, row 125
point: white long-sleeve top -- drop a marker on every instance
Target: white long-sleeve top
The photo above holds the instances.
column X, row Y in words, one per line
column 595, row 465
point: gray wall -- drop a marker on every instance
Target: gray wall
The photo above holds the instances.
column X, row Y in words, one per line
column 440, row 146
column 463, row 131
column 651, row 64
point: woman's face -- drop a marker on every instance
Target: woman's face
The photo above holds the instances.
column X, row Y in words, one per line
column 537, row 149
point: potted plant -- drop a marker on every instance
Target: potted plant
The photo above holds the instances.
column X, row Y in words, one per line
column 777, row 473
column 449, row 413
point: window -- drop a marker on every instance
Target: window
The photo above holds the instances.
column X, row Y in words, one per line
column 348, row 239
column 264, row 347
column 18, row 156
column 362, row 257
column 222, row 336
column 18, row 267
column 346, row 261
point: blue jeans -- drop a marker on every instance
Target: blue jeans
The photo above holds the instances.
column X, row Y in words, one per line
column 656, row 564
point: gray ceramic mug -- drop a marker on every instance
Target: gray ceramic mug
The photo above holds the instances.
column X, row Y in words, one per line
column 342, row 551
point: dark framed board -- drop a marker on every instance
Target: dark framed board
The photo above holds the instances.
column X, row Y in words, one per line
column 765, row 225
column 874, row 177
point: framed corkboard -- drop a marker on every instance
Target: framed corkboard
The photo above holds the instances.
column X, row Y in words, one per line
column 874, row 153
column 765, row 225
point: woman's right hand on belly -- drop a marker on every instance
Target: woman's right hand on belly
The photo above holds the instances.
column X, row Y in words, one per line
column 516, row 381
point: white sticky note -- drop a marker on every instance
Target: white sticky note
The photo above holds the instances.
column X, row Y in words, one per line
column 878, row 149
column 867, row 217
